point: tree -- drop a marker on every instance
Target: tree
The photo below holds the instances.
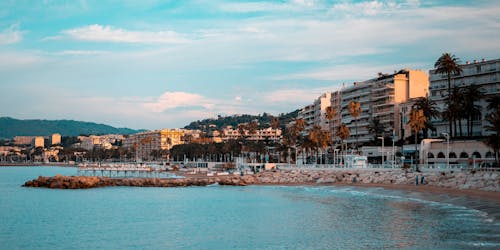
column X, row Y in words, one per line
column 355, row 110
column 493, row 102
column 430, row 110
column 343, row 133
column 330, row 114
column 417, row 122
column 494, row 126
column 275, row 123
column 376, row 128
column 471, row 94
column 448, row 64
column 454, row 111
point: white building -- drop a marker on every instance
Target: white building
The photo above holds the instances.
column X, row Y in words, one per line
column 314, row 114
column 483, row 73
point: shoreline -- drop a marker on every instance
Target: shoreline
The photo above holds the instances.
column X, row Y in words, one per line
column 424, row 189
column 38, row 164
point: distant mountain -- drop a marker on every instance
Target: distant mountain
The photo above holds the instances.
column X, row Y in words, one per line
column 222, row 121
column 10, row 127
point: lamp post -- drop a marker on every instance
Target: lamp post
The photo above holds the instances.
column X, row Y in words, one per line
column 382, row 138
column 393, row 148
column 447, row 136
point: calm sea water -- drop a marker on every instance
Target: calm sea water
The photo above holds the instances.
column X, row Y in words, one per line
column 220, row 217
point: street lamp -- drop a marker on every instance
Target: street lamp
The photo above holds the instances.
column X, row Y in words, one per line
column 393, row 148
column 447, row 136
column 382, row 138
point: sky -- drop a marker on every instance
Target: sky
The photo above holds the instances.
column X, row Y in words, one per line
column 161, row 64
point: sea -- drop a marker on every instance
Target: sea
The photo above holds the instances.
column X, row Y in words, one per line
column 230, row 217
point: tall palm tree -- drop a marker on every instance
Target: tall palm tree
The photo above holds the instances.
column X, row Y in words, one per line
column 315, row 137
column 330, row 115
column 448, row 64
column 430, row 110
column 355, row 110
column 471, row 94
column 343, row 133
column 494, row 126
column 454, row 111
column 417, row 122
column 295, row 134
column 376, row 128
column 493, row 102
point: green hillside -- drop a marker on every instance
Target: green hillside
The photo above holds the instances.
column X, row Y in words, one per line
column 222, row 121
column 10, row 127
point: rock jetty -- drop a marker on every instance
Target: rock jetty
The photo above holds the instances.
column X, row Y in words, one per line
column 487, row 181
column 82, row 182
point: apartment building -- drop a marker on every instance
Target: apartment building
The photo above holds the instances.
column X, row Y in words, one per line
column 270, row 134
column 380, row 98
column 145, row 142
column 314, row 114
column 485, row 73
column 101, row 141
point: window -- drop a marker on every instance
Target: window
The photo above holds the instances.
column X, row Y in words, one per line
column 453, row 155
column 478, row 68
column 440, row 155
column 430, row 155
column 464, row 155
column 476, row 155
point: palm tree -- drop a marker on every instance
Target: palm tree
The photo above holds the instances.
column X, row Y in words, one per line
column 448, row 64
column 343, row 133
column 471, row 94
column 300, row 124
column 330, row 114
column 493, row 102
column 315, row 136
column 430, row 110
column 376, row 128
column 494, row 126
column 454, row 111
column 417, row 122
column 355, row 110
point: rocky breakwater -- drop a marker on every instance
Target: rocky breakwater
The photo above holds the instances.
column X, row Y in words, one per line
column 487, row 181
column 82, row 182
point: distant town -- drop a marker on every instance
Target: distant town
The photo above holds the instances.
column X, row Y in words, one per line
column 446, row 116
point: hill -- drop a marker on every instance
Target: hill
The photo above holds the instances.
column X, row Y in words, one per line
column 10, row 127
column 222, row 121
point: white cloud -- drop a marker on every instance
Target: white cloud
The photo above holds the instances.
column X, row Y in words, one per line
column 81, row 52
column 294, row 96
column 247, row 7
column 11, row 35
column 173, row 100
column 356, row 72
column 100, row 33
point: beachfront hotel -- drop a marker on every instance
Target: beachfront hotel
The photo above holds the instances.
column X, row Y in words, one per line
column 484, row 73
column 380, row 98
column 145, row 142
column 270, row 134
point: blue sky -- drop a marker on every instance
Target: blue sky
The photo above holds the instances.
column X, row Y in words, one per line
column 157, row 64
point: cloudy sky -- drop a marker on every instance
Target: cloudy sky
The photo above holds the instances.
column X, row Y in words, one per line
column 154, row 64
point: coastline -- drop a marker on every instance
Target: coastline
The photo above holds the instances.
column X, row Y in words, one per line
column 38, row 164
column 470, row 193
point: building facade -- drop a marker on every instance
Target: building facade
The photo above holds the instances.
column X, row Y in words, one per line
column 145, row 143
column 55, row 139
column 269, row 134
column 483, row 73
column 314, row 114
column 380, row 98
